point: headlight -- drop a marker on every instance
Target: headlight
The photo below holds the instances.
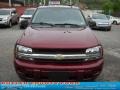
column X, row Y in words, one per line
column 99, row 23
column 21, row 19
column 22, row 49
column 94, row 53
column 5, row 19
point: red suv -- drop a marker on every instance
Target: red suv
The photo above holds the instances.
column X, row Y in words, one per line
column 58, row 45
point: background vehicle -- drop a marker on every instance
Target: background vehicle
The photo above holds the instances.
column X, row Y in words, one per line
column 26, row 16
column 113, row 20
column 99, row 21
column 8, row 16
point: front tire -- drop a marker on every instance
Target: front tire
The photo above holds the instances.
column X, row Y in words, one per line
column 17, row 21
column 115, row 22
column 108, row 29
column 10, row 24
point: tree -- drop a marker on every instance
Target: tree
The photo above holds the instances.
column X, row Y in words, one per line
column 116, row 5
column 111, row 6
column 108, row 7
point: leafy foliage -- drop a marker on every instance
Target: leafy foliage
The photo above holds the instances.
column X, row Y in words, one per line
column 108, row 7
column 111, row 6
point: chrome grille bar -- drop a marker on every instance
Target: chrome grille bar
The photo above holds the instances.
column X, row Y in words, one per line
column 54, row 56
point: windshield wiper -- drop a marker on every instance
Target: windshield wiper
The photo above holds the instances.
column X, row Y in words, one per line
column 44, row 23
column 71, row 24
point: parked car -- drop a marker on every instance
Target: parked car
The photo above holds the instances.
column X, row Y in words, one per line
column 99, row 21
column 58, row 45
column 113, row 20
column 27, row 15
column 8, row 16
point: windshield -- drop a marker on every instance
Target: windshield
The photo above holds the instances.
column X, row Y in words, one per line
column 4, row 12
column 59, row 16
column 29, row 12
column 108, row 16
column 99, row 16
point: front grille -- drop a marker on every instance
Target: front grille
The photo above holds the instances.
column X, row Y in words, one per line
column 103, row 24
column 58, row 51
column 27, row 18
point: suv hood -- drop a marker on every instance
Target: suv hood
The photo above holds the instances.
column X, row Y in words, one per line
column 58, row 38
column 101, row 21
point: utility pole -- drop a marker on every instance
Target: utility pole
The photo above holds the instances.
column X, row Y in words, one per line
column 44, row 2
column 24, row 3
column 33, row 2
column 70, row 2
column 29, row 2
column 10, row 3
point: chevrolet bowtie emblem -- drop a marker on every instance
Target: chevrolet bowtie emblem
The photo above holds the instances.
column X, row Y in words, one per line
column 59, row 57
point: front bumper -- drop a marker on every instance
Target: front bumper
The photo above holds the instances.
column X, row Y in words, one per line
column 59, row 72
column 20, row 22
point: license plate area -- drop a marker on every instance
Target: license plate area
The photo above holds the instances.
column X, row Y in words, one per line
column 59, row 75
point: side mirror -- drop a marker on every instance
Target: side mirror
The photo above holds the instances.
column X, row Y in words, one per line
column 24, row 24
column 12, row 14
column 89, row 17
